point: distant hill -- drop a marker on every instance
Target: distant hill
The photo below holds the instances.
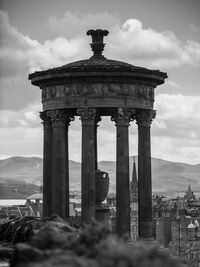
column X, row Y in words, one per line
column 167, row 175
column 22, row 169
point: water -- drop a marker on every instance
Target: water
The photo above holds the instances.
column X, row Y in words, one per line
column 11, row 202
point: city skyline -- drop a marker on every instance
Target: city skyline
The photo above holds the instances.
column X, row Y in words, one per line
column 41, row 35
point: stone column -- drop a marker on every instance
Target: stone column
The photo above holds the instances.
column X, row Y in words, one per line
column 47, row 163
column 97, row 119
column 88, row 164
column 145, row 219
column 122, row 119
column 60, row 162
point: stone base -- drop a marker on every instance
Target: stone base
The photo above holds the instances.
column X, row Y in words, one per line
column 102, row 213
column 147, row 240
column 146, row 231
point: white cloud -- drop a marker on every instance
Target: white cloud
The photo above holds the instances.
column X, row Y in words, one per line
column 178, row 107
column 129, row 41
column 155, row 49
column 31, row 116
column 27, row 117
column 20, row 54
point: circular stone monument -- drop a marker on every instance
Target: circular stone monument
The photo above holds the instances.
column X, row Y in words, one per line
column 92, row 88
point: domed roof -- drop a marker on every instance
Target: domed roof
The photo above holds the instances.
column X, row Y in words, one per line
column 98, row 64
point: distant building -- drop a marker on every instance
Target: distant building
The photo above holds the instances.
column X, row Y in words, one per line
column 177, row 223
column 189, row 195
column 134, row 203
column 35, row 204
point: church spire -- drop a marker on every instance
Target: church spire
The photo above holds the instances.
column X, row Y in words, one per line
column 189, row 194
column 189, row 191
column 134, row 182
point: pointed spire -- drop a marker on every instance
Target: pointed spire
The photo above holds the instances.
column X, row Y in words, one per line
column 134, row 182
column 189, row 191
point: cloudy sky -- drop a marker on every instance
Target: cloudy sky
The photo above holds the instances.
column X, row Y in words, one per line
column 158, row 34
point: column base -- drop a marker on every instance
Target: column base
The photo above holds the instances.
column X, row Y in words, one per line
column 102, row 213
column 146, row 231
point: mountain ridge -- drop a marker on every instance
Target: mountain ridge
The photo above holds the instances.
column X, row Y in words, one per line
column 166, row 175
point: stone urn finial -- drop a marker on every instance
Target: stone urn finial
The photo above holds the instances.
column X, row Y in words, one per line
column 97, row 44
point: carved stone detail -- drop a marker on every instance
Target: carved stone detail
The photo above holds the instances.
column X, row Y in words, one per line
column 139, row 91
column 44, row 94
column 46, row 120
column 85, row 90
column 97, row 119
column 53, row 91
column 97, row 44
column 144, row 117
column 60, row 117
column 123, row 116
column 127, row 90
column 98, row 79
column 87, row 115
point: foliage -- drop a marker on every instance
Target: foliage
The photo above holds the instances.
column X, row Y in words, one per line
column 56, row 243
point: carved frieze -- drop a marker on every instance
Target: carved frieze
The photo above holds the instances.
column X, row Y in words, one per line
column 127, row 90
column 53, row 91
column 108, row 89
column 138, row 91
column 145, row 92
column 144, row 117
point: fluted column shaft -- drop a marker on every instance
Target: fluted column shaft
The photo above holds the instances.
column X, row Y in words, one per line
column 145, row 219
column 88, row 164
column 60, row 163
column 95, row 146
column 97, row 119
column 47, row 163
column 122, row 119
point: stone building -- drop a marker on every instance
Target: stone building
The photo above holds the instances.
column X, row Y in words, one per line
column 177, row 226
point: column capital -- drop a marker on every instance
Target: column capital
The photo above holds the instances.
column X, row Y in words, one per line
column 46, row 120
column 87, row 115
column 97, row 119
column 144, row 117
column 60, row 117
column 123, row 116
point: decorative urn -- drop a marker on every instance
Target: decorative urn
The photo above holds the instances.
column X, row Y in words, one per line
column 101, row 185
